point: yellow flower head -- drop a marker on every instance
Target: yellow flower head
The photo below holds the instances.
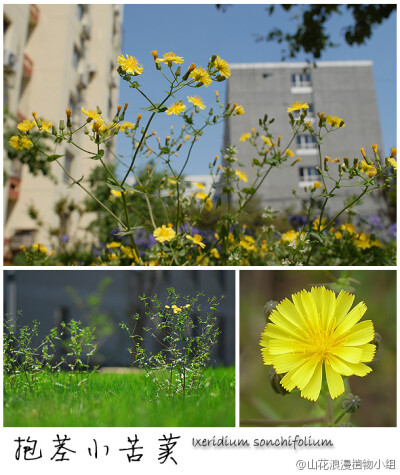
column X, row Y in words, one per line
column 201, row 195
column 317, row 184
column 318, row 330
column 290, row 236
column 113, row 245
column 200, row 186
column 394, row 152
column 238, row 110
column 201, row 75
column 25, row 125
column 296, row 106
column 169, row 58
column 197, row 239
column 20, row 143
column 208, row 204
column 267, row 140
column 289, row 152
column 165, row 233
column 175, row 108
column 130, row 65
column 126, row 126
column 197, row 101
column 222, row 66
column 370, row 170
column 46, row 125
column 92, row 114
column 392, row 162
column 244, row 137
column 334, row 121
column 214, row 252
column 241, row 175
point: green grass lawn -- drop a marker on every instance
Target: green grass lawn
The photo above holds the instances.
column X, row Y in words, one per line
column 121, row 400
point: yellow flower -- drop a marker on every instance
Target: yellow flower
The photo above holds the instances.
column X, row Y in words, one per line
column 334, row 121
column 370, row 170
column 238, row 110
column 130, row 65
column 200, row 186
column 290, row 236
column 317, row 184
column 22, row 248
column 362, row 241
column 374, row 147
column 201, row 195
column 248, row 243
column 214, row 252
column 338, row 235
column 164, row 233
column 245, row 136
column 92, row 114
column 196, row 101
column 289, row 152
column 197, row 239
column 201, row 75
column 267, row 140
column 15, row 143
column 222, row 66
column 116, row 193
column 208, row 204
column 175, row 108
column 241, row 175
column 26, row 143
column 392, row 162
column 394, row 152
column 39, row 247
column 25, row 125
column 126, row 125
column 316, row 223
column 296, row 106
column 169, row 58
column 314, row 332
column 46, row 125
column 113, row 245
column 348, row 227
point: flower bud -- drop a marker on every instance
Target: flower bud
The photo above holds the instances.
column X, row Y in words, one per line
column 351, row 403
column 138, row 117
column 274, row 380
column 62, row 125
column 269, row 307
column 98, row 110
column 154, row 54
column 178, row 71
column 377, row 340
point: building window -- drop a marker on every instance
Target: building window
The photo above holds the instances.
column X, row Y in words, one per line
column 301, row 80
column 69, row 158
column 306, row 142
column 308, row 175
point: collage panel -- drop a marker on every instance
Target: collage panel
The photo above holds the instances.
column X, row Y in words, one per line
column 318, row 348
column 121, row 348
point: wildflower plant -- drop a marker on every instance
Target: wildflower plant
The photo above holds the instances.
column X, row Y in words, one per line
column 315, row 340
column 185, row 333
column 29, row 360
column 174, row 207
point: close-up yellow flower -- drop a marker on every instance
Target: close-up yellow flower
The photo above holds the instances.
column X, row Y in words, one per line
column 25, row 125
column 334, row 121
column 317, row 332
column 201, row 195
column 196, row 101
column 296, row 106
column 238, row 110
column 393, row 163
column 126, row 126
column 245, row 136
column 175, row 108
column 14, row 142
column 201, row 75
column 164, row 233
column 200, row 186
column 266, row 140
column 169, row 58
column 222, row 66
column 130, row 65
column 92, row 114
column 197, row 239
column 46, row 125
column 241, row 175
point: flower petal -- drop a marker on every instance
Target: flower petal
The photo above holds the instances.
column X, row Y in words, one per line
column 287, row 362
column 348, row 353
column 360, row 334
column 334, row 380
column 313, row 388
column 344, row 302
column 351, row 319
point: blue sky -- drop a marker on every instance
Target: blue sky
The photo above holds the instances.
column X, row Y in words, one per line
column 196, row 32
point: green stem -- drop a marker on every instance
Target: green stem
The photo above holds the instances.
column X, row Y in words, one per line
column 93, row 197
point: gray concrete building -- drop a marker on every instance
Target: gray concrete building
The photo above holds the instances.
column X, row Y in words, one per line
column 338, row 88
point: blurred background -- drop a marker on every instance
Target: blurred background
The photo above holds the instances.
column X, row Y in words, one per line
column 104, row 298
column 377, row 390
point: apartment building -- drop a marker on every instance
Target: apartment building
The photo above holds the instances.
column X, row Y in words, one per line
column 338, row 88
column 56, row 56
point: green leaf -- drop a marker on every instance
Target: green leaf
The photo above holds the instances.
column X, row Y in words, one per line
column 115, row 187
column 51, row 158
column 98, row 156
column 155, row 108
column 256, row 162
column 316, row 235
column 249, row 191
